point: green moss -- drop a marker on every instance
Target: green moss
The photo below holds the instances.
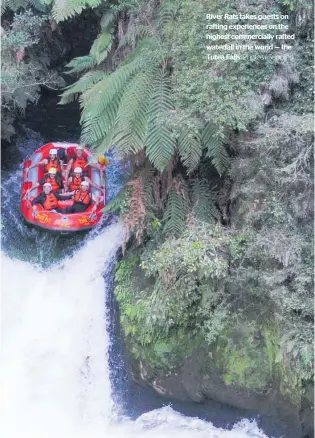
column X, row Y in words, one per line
column 290, row 384
column 242, row 362
column 272, row 346
column 164, row 355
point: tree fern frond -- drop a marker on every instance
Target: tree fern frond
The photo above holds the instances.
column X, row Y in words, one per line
column 106, row 143
column 203, row 200
column 160, row 145
column 95, row 129
column 166, row 14
column 190, row 149
column 149, row 197
column 175, row 213
column 84, row 83
column 107, row 20
column 215, row 148
column 63, row 9
column 102, row 45
column 100, row 102
column 138, row 33
column 14, row 5
column 81, row 63
column 132, row 114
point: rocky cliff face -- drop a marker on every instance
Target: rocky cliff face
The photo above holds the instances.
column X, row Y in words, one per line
column 236, row 376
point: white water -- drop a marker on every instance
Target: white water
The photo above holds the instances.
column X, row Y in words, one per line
column 51, row 322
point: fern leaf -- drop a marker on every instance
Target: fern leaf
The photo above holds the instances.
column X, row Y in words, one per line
column 83, row 84
column 63, row 9
column 107, row 20
column 215, row 148
column 101, row 46
column 160, row 145
column 132, row 114
column 190, row 149
column 175, row 213
column 100, row 102
column 203, row 199
column 81, row 63
column 176, row 209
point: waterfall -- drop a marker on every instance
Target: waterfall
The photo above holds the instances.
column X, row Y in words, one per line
column 55, row 343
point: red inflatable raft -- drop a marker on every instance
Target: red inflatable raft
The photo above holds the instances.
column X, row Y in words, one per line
column 57, row 221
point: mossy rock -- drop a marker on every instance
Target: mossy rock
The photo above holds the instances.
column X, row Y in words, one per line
column 241, row 359
column 248, row 356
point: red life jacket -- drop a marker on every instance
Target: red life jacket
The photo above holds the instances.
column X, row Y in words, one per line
column 50, row 202
column 79, row 162
column 53, row 163
column 76, row 183
column 55, row 186
column 81, row 197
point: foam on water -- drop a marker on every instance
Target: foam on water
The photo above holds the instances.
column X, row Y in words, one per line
column 54, row 366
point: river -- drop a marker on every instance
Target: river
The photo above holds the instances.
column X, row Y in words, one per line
column 63, row 370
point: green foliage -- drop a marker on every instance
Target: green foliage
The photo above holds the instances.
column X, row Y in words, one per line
column 24, row 31
column 78, row 65
column 214, row 145
column 65, row 9
column 227, row 93
column 22, row 71
column 278, row 187
column 203, row 201
column 131, row 107
column 175, row 213
column 160, row 145
column 242, row 359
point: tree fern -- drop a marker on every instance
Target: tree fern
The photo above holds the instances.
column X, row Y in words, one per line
column 131, row 121
column 215, row 148
column 83, row 84
column 166, row 14
column 190, row 149
column 160, row 144
column 63, row 9
column 77, row 65
column 176, row 209
column 100, row 102
column 203, row 201
column 102, row 45
column 140, row 32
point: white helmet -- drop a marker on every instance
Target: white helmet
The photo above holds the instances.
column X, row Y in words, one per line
column 53, row 152
column 77, row 170
column 85, row 184
column 47, row 185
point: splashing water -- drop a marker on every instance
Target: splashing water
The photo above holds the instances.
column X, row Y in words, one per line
column 55, row 341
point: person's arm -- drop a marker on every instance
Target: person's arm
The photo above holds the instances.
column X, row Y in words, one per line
column 96, row 201
column 34, row 186
column 67, row 183
column 63, row 196
column 66, row 194
column 93, row 183
column 38, row 200
column 60, row 182
column 95, row 165
column 68, row 168
column 40, row 163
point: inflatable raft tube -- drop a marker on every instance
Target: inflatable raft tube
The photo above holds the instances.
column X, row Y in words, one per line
column 55, row 221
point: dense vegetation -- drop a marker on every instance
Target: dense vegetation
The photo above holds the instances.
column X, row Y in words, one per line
column 217, row 202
